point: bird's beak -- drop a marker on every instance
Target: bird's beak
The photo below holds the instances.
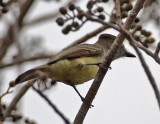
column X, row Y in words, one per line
column 129, row 54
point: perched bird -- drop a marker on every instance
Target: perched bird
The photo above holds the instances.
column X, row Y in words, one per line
column 75, row 65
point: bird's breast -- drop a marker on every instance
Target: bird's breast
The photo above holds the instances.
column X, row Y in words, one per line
column 74, row 71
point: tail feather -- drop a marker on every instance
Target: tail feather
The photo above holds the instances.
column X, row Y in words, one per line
column 28, row 75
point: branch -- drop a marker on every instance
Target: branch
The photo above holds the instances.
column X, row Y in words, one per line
column 8, row 39
column 52, row 105
column 106, row 63
column 89, row 35
column 16, row 99
column 47, row 17
column 118, row 12
column 25, row 60
column 111, row 25
column 153, row 55
column 144, row 64
column 157, row 50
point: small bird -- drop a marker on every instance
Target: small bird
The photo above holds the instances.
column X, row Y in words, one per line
column 75, row 65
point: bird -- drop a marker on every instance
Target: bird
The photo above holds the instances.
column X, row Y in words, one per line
column 75, row 65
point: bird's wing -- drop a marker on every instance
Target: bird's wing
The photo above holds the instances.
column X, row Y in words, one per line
column 81, row 50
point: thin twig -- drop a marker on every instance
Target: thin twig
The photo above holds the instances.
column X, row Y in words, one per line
column 106, row 63
column 118, row 12
column 88, row 36
column 157, row 50
column 16, row 99
column 144, row 64
column 26, row 60
column 7, row 92
column 8, row 39
column 147, row 51
column 52, row 105
column 47, row 17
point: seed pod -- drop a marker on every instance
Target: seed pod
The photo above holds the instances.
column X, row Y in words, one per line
column 139, row 27
column 60, row 21
column 128, row 7
column 4, row 10
column 63, row 10
column 143, row 32
column 75, row 25
column 71, row 7
column 80, row 16
column 148, row 34
column 12, row 83
column 27, row 121
column 101, row 16
column 136, row 20
column 90, row 4
column 124, row 15
column 100, row 9
column 149, row 40
column 137, row 37
column 125, row 1
column 104, row 0
column 67, row 29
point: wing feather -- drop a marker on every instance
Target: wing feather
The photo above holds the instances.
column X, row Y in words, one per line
column 81, row 50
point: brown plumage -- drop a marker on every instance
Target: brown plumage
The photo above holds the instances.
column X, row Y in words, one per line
column 65, row 68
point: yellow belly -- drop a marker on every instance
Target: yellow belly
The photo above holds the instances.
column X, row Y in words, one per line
column 73, row 71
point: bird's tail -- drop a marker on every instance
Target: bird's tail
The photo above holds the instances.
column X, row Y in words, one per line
column 30, row 74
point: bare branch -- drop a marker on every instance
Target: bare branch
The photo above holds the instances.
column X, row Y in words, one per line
column 89, row 35
column 25, row 60
column 52, row 105
column 16, row 99
column 144, row 64
column 118, row 12
column 153, row 55
column 8, row 39
column 157, row 50
column 106, row 63
column 46, row 17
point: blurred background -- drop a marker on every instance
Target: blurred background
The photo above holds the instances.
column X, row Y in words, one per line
column 29, row 36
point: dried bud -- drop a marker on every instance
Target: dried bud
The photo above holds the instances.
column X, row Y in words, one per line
column 75, row 25
column 33, row 122
column 124, row 15
column 149, row 40
column 139, row 27
column 27, row 120
column 67, row 29
column 137, row 37
column 128, row 7
column 60, row 21
column 4, row 106
column 71, row 7
column 104, row 0
column 80, row 16
column 4, row 10
column 16, row 117
column 100, row 9
column 148, row 34
column 101, row 16
column 90, row 4
column 136, row 20
column 125, row 1
column 143, row 32
column 12, row 84
column 145, row 44
column 63, row 10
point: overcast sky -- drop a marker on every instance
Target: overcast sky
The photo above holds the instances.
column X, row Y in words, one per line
column 125, row 96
